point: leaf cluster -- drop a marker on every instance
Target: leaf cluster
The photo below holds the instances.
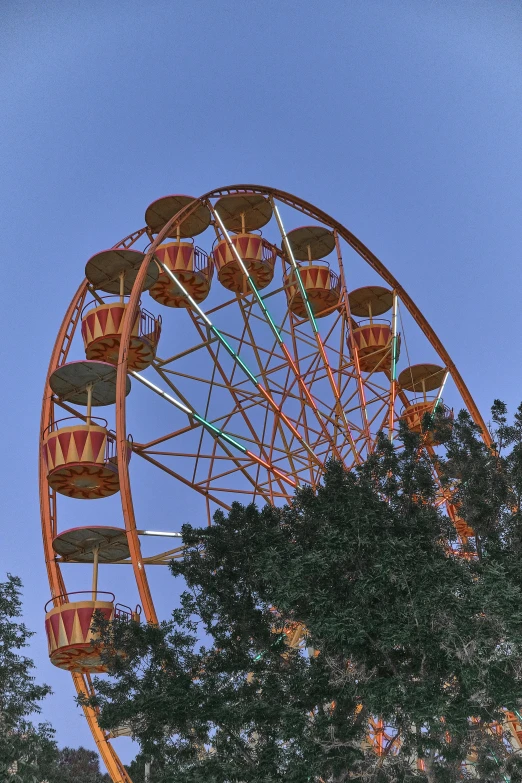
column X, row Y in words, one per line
column 396, row 625
column 27, row 750
column 77, row 765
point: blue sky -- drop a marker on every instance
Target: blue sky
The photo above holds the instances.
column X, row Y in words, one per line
column 400, row 118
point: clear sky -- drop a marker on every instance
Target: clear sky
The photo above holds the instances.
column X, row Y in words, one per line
column 401, row 118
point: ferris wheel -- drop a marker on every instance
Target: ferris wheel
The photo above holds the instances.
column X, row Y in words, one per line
column 276, row 341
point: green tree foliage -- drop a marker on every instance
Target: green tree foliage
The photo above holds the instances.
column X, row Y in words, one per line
column 27, row 750
column 408, row 629
column 136, row 769
column 77, row 765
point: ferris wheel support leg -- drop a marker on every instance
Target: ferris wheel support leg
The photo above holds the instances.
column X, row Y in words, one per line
column 114, row 766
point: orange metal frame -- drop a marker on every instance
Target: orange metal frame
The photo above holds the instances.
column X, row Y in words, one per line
column 324, row 426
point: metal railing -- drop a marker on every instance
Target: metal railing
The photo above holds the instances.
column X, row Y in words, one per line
column 53, row 426
column 92, row 304
column 430, row 400
column 149, row 326
column 371, row 321
column 124, row 612
column 202, row 263
column 269, row 252
column 335, row 282
column 90, row 593
column 111, row 452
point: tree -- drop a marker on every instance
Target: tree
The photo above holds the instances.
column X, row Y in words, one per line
column 78, row 765
column 400, row 625
column 27, row 750
column 136, row 769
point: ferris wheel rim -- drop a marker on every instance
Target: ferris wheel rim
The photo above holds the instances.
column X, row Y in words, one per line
column 60, row 350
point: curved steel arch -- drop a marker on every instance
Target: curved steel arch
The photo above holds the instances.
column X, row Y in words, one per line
column 59, row 356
